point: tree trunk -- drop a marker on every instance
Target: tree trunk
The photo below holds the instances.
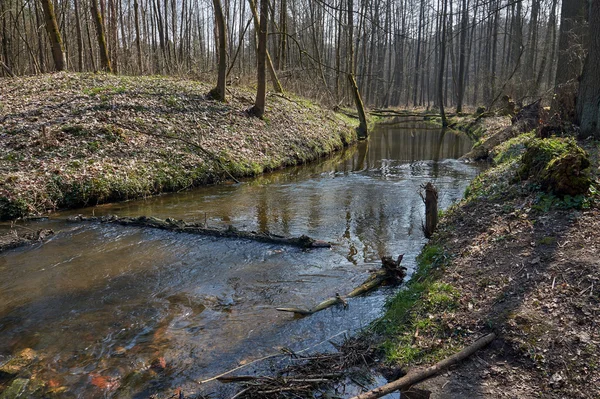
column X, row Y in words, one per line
column 104, row 59
column 258, row 109
column 138, row 40
column 462, row 57
column 218, row 93
column 79, row 35
column 58, row 52
column 362, row 129
column 569, row 65
column 588, row 98
column 268, row 62
column 440, row 85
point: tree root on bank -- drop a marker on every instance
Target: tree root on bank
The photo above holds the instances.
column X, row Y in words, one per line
column 390, row 273
column 182, row 226
column 14, row 239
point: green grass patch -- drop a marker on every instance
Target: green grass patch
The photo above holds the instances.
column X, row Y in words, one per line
column 413, row 311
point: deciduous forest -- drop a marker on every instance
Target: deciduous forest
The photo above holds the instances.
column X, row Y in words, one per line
column 401, row 51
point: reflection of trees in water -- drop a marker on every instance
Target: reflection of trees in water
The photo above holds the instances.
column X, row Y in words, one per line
column 366, row 215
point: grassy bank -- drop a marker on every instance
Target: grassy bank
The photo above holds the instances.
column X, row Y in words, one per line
column 517, row 256
column 70, row 140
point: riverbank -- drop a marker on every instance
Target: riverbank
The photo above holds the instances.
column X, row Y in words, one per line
column 69, row 140
column 513, row 258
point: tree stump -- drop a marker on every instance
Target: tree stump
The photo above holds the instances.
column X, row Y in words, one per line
column 431, row 209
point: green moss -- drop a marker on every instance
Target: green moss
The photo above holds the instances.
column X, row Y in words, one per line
column 559, row 165
column 511, row 149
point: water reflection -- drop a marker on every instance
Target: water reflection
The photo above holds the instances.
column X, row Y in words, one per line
column 108, row 299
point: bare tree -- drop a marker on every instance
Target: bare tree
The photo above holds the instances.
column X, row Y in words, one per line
column 56, row 43
column 218, row 93
column 105, row 63
column 258, row 109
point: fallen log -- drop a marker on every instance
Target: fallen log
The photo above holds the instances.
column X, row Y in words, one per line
column 13, row 239
column 416, row 376
column 390, row 272
column 182, row 226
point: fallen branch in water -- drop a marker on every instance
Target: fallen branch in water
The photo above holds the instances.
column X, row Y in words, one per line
column 390, row 272
column 181, row 226
column 416, row 376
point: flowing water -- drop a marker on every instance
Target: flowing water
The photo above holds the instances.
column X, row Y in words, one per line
column 115, row 311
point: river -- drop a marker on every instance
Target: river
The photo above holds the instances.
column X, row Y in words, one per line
column 114, row 311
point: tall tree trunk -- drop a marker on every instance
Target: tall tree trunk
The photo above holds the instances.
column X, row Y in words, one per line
column 258, row 109
column 79, row 36
column 58, row 52
column 269, row 63
column 440, row 85
column 569, row 65
column 418, row 53
column 138, row 40
column 547, row 49
column 462, row 57
column 588, row 98
column 218, row 93
column 104, row 59
column 362, row 129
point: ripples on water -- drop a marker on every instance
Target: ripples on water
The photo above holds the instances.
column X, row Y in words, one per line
column 104, row 300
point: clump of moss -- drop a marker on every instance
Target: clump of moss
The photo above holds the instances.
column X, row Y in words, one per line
column 559, row 165
column 511, row 149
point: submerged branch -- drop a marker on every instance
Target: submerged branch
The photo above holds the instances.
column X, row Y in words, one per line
column 182, row 226
column 390, row 272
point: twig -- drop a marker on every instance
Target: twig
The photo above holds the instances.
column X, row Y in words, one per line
column 269, row 357
column 240, row 393
column 284, row 389
column 239, row 368
column 416, row 376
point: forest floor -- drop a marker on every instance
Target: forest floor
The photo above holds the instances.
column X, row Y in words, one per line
column 69, row 140
column 518, row 261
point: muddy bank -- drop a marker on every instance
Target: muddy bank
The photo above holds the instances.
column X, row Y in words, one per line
column 70, row 140
column 19, row 238
column 516, row 257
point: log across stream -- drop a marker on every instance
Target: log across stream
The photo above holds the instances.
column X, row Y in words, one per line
column 182, row 226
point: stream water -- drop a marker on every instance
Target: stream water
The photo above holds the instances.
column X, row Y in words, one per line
column 100, row 304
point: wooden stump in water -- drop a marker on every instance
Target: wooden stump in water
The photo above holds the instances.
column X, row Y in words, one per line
column 431, row 209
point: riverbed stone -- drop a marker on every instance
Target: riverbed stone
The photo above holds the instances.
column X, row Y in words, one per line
column 20, row 361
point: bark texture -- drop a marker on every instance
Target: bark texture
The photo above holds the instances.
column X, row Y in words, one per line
column 588, row 98
column 58, row 52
